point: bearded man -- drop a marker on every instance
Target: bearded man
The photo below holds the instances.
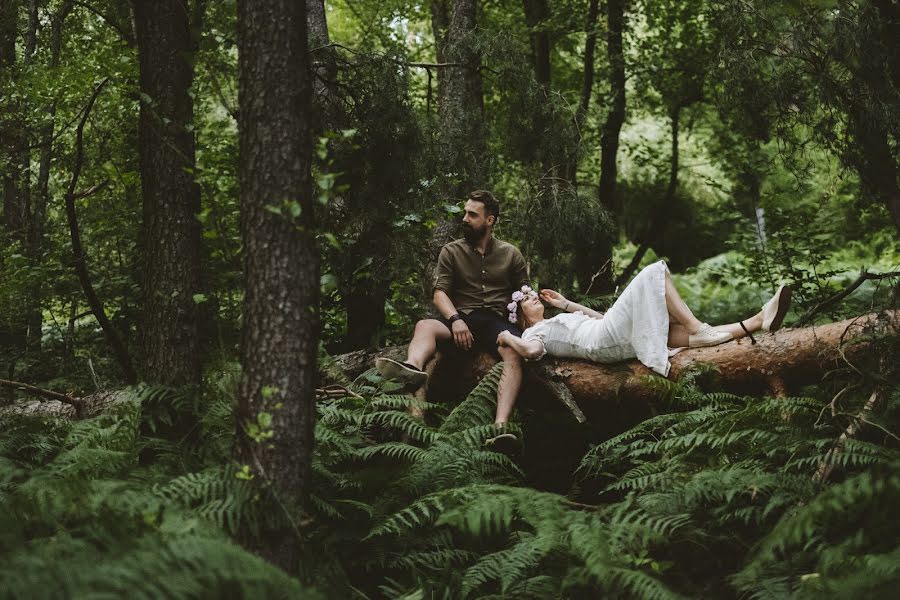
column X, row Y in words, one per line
column 473, row 283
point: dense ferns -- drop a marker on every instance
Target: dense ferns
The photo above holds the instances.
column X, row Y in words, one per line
column 716, row 498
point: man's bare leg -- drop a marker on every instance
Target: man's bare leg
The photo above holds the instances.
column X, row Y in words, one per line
column 423, row 345
column 510, row 383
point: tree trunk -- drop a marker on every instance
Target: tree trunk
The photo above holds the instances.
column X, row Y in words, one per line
column 324, row 65
column 600, row 251
column 587, row 82
column 171, row 197
column 461, row 107
column 281, row 277
column 440, row 24
column 659, row 218
column 615, row 118
column 535, row 12
column 461, row 153
column 13, row 326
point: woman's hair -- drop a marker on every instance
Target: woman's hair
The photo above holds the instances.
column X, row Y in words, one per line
column 522, row 322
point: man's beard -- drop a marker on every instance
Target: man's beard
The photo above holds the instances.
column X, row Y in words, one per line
column 472, row 234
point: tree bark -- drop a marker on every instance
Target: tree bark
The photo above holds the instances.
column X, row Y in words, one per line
column 171, row 197
column 461, row 152
column 281, row 277
column 535, row 12
column 587, row 82
column 615, row 118
column 440, row 24
column 600, row 251
column 13, row 326
column 461, row 106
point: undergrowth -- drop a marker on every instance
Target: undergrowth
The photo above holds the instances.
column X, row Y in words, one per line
column 717, row 498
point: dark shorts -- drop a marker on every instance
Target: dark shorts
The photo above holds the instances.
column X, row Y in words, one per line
column 485, row 326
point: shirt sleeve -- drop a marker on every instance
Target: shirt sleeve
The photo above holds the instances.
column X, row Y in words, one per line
column 519, row 271
column 443, row 272
column 535, row 332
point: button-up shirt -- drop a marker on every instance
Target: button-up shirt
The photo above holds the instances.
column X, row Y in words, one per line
column 473, row 280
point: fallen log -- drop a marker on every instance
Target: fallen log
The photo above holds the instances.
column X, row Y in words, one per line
column 777, row 364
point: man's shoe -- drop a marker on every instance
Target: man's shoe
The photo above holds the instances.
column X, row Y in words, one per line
column 775, row 309
column 707, row 335
column 505, row 443
column 400, row 371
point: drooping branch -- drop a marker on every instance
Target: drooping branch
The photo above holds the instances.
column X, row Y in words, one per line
column 837, row 297
column 80, row 262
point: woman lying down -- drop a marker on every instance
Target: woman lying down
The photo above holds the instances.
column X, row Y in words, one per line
column 648, row 318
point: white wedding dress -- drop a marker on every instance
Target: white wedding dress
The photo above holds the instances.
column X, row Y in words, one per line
column 636, row 326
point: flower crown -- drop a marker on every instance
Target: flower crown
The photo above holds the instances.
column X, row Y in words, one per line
column 517, row 297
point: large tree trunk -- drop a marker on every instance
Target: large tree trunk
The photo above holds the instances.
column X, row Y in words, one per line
column 281, row 282
column 461, row 106
column 171, row 197
column 462, row 151
column 13, row 326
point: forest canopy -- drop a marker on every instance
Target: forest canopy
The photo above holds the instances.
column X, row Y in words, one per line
column 216, row 214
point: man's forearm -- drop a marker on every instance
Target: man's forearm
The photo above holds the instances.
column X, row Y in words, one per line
column 443, row 304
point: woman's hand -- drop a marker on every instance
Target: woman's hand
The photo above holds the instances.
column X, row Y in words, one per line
column 503, row 338
column 554, row 298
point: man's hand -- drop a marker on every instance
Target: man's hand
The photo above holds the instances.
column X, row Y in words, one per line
column 462, row 337
column 554, row 298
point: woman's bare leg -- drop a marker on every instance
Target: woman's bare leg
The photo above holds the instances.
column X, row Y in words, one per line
column 678, row 310
column 679, row 334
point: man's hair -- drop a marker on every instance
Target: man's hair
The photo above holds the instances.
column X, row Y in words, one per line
column 491, row 206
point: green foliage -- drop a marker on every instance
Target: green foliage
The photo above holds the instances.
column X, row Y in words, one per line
column 83, row 515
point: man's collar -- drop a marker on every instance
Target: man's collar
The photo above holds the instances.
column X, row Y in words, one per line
column 487, row 247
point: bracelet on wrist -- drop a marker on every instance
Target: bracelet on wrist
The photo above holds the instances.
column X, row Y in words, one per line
column 567, row 306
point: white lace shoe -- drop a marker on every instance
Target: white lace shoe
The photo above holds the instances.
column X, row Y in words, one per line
column 776, row 308
column 708, row 336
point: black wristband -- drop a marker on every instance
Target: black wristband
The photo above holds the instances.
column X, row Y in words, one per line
column 453, row 318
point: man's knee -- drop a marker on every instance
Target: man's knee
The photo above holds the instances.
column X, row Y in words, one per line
column 431, row 328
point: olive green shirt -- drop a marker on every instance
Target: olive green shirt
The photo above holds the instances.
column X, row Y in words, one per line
column 473, row 280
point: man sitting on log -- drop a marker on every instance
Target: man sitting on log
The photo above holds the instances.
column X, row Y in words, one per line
column 473, row 281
